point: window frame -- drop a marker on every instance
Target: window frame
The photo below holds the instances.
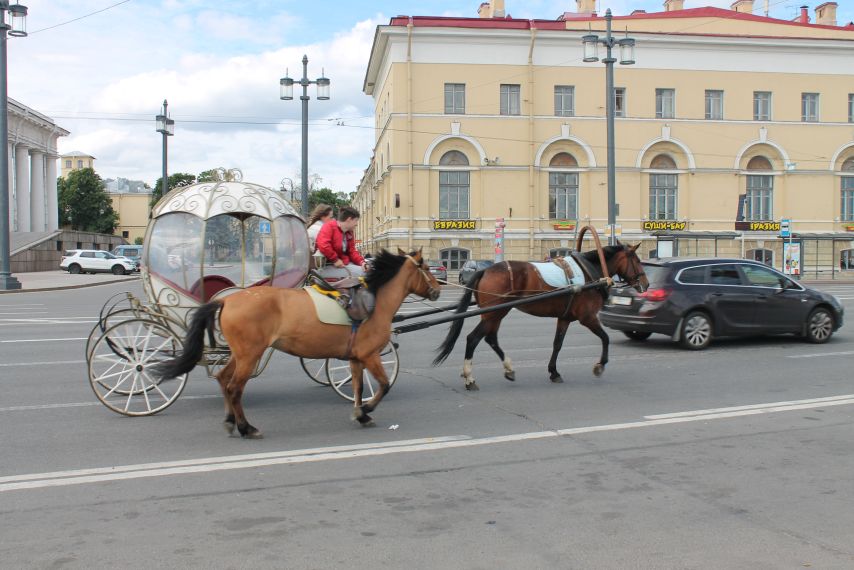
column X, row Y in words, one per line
column 666, row 194
column 846, row 210
column 763, row 98
column 808, row 113
column 457, row 91
column 510, row 95
column 662, row 94
column 846, row 260
column 445, row 257
column 569, row 188
column 619, row 96
column 448, row 186
column 711, row 114
column 561, row 93
column 759, row 195
column 851, row 107
column 766, row 254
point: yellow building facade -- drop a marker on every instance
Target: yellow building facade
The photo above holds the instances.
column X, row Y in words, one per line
column 727, row 125
column 133, row 210
column 75, row 160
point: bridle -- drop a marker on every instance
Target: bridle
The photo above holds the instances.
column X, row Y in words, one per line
column 430, row 289
column 633, row 280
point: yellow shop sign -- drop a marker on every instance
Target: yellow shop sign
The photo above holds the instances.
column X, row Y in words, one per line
column 664, row 225
column 454, row 225
column 763, row 227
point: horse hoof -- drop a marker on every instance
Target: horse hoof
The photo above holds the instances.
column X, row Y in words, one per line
column 229, row 427
column 365, row 420
column 510, row 376
column 472, row 387
column 254, row 435
column 557, row 379
column 248, row 431
column 598, row 369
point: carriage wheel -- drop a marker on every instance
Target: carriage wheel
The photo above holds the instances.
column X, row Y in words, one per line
column 105, row 322
column 316, row 369
column 338, row 372
column 120, row 367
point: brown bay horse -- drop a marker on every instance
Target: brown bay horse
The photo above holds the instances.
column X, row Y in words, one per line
column 256, row 319
column 509, row 280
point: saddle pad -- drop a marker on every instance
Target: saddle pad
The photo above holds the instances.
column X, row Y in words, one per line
column 328, row 310
column 554, row 275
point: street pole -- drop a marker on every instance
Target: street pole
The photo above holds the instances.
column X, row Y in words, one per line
column 304, row 98
column 609, row 112
column 7, row 281
column 164, row 189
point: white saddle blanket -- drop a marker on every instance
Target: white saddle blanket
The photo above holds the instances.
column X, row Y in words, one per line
column 554, row 275
column 328, row 310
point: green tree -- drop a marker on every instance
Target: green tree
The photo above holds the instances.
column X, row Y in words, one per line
column 84, row 203
column 219, row 174
column 177, row 180
column 138, row 241
column 327, row 196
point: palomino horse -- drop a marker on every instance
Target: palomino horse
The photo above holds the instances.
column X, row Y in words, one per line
column 517, row 279
column 258, row 318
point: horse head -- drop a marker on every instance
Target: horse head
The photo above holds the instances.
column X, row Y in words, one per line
column 421, row 282
column 627, row 265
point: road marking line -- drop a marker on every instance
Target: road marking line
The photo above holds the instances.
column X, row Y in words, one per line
column 211, row 464
column 749, row 407
column 43, row 339
column 12, row 364
column 85, row 404
column 27, row 313
column 817, row 354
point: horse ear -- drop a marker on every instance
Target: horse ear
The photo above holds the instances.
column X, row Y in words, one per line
column 418, row 255
column 618, row 242
column 400, row 251
column 634, row 248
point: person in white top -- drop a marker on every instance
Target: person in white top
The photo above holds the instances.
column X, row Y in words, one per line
column 321, row 214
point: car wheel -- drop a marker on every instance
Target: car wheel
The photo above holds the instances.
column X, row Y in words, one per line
column 74, row 268
column 637, row 335
column 118, row 269
column 696, row 331
column 819, row 326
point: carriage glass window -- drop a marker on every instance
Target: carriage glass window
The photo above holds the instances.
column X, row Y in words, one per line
column 761, row 105
column 761, row 277
column 714, row 104
column 291, row 252
column 619, row 101
column 724, row 275
column 564, row 100
column 510, row 96
column 809, row 107
column 665, row 103
column 174, row 251
column 454, row 258
column 455, row 98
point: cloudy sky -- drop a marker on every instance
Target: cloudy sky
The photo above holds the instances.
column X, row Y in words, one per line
column 101, row 69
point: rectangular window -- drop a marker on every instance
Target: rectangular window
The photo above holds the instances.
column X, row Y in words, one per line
column 848, row 198
column 662, row 196
column 809, row 107
column 563, row 195
column 79, row 164
column 760, row 194
column 454, row 195
column 564, row 100
column 455, row 98
column 68, row 164
column 510, row 100
column 665, row 103
column 714, row 105
column 761, row 105
column 619, row 101
column 851, row 107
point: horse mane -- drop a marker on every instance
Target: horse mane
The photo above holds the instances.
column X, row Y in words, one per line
column 609, row 250
column 383, row 269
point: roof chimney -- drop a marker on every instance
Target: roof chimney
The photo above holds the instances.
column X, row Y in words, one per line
column 745, row 6
column 493, row 9
column 586, row 6
column 673, row 5
column 804, row 18
column 826, row 14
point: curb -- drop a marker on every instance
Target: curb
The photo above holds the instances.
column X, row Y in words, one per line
column 61, row 288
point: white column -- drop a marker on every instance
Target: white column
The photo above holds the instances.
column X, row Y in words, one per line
column 22, row 186
column 38, row 218
column 52, row 196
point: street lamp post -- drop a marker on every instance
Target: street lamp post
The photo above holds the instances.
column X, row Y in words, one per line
column 286, row 85
column 17, row 27
column 627, row 57
column 166, row 127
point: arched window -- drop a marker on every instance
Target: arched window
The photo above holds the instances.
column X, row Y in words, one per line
column 759, row 204
column 453, row 258
column 848, row 190
column 663, row 189
column 563, row 188
column 765, row 256
column 453, row 187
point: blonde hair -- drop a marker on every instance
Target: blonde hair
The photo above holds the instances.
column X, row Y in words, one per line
column 319, row 211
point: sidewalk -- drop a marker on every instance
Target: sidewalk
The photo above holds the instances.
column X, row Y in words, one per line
column 55, row 280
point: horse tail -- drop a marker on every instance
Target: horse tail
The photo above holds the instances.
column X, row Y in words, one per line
column 454, row 332
column 194, row 343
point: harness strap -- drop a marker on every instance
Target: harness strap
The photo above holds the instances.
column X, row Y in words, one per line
column 567, row 270
column 510, row 270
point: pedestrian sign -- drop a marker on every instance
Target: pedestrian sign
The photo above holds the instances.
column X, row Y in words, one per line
column 784, row 228
column 263, row 227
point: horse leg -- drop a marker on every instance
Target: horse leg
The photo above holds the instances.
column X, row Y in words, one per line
column 244, row 367
column 375, row 366
column 472, row 340
column 357, row 369
column 557, row 344
column 224, row 377
column 592, row 323
column 492, row 340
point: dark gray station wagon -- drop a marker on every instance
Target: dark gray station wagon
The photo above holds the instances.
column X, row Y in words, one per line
column 696, row 300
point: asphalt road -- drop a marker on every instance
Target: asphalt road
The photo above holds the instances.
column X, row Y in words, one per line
column 739, row 456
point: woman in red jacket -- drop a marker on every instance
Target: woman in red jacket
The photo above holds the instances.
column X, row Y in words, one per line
column 337, row 243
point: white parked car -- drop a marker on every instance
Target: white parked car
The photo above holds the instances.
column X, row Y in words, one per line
column 95, row 261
